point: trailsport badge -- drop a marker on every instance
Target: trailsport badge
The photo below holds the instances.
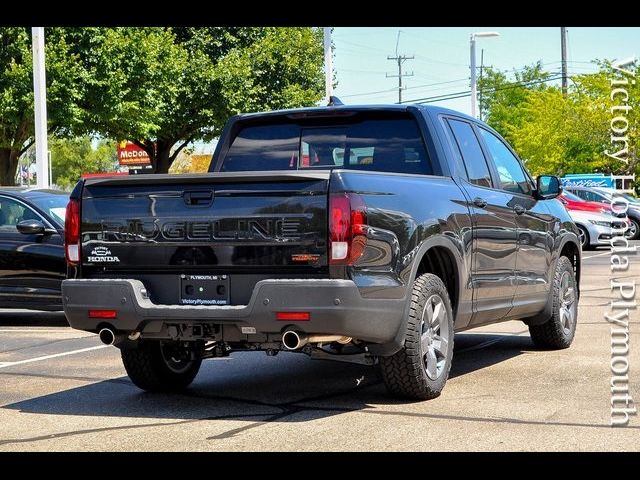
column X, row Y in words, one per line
column 102, row 254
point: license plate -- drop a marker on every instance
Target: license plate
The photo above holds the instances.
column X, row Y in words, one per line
column 204, row 289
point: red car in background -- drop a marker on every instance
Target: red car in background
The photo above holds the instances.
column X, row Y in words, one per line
column 574, row 202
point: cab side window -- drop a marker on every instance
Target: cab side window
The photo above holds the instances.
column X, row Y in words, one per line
column 474, row 161
column 512, row 176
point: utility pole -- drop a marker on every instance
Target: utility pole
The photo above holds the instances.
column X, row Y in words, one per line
column 400, row 59
column 563, row 48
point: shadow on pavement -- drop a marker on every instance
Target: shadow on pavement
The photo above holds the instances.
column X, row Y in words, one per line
column 254, row 385
column 31, row 318
column 478, row 351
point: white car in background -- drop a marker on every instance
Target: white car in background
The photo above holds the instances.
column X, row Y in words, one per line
column 605, row 195
column 596, row 229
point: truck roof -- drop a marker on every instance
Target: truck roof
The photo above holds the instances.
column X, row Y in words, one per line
column 392, row 107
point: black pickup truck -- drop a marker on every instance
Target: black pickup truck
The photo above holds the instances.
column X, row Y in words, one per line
column 365, row 234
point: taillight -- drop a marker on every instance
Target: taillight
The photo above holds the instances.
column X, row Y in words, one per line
column 72, row 232
column 103, row 314
column 293, row 316
column 347, row 228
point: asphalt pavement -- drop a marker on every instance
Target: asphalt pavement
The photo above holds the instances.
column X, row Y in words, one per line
column 61, row 389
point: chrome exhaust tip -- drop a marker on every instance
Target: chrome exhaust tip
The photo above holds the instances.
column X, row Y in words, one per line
column 293, row 340
column 107, row 336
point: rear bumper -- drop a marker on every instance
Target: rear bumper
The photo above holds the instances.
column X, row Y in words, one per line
column 335, row 307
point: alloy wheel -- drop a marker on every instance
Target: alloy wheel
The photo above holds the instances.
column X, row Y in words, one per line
column 567, row 297
column 435, row 336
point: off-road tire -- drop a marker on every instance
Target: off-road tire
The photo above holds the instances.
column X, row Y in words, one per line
column 404, row 373
column 553, row 334
column 148, row 369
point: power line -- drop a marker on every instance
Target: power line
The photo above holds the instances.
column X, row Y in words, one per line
column 449, row 96
column 425, row 60
column 366, row 47
column 437, row 83
column 368, row 93
column 430, row 40
column 415, row 87
column 556, row 75
column 362, row 71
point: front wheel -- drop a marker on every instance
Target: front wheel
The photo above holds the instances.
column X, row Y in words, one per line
column 158, row 366
column 633, row 232
column 559, row 330
column 421, row 368
column 585, row 241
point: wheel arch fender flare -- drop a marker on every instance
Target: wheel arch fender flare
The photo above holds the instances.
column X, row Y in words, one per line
column 545, row 314
column 451, row 247
column 418, row 253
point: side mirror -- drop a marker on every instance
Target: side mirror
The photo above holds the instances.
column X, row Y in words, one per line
column 548, row 187
column 31, row 227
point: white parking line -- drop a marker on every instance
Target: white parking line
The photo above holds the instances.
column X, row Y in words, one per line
column 64, row 330
column 47, row 357
column 597, row 255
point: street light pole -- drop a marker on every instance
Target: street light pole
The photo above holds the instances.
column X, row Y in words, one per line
column 472, row 63
column 474, row 98
column 40, row 106
column 328, row 64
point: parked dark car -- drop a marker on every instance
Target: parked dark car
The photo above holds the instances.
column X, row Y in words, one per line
column 32, row 264
column 361, row 234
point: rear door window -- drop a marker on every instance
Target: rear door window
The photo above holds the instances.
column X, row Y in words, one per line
column 474, row 161
column 511, row 174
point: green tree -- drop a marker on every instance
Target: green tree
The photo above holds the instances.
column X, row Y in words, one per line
column 597, row 88
column 561, row 134
column 70, row 158
column 502, row 99
column 16, row 93
column 163, row 88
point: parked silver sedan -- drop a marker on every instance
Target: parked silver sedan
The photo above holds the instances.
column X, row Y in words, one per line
column 597, row 229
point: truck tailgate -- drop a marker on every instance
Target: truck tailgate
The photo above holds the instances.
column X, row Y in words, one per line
column 215, row 223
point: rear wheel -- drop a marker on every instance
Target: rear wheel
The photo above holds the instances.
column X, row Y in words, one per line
column 158, row 366
column 421, row 368
column 559, row 330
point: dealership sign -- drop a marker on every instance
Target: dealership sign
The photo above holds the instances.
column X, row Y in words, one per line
column 588, row 180
column 130, row 154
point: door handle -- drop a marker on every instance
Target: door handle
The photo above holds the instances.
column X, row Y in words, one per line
column 519, row 209
column 479, row 202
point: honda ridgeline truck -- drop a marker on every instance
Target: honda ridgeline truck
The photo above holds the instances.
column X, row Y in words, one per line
column 366, row 234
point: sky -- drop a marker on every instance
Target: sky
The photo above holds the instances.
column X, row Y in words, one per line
column 441, row 63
